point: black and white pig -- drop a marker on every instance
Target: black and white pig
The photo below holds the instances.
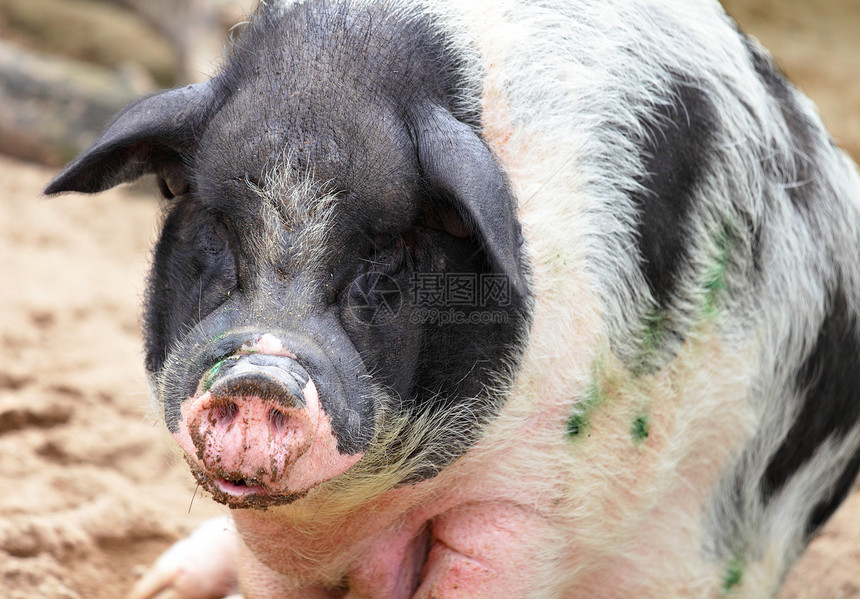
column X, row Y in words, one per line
column 498, row 299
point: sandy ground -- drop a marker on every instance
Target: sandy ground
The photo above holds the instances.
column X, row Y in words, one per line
column 91, row 492
column 90, row 489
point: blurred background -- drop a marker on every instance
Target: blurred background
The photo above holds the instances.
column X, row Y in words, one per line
column 90, row 494
column 66, row 66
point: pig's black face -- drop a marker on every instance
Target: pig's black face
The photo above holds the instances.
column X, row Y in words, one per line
column 333, row 208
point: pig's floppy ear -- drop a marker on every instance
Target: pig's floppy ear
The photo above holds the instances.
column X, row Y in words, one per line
column 150, row 135
column 456, row 162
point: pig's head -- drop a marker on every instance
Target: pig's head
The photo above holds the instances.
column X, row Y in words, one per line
column 339, row 288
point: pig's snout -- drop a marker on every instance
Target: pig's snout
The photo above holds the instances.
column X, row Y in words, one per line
column 256, row 416
column 262, row 388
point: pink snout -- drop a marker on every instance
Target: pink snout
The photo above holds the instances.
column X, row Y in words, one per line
column 248, row 433
column 260, row 414
column 256, row 432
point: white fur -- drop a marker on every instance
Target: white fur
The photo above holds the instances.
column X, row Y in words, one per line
column 555, row 79
column 562, row 80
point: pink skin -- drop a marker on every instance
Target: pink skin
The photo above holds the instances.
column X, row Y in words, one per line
column 442, row 549
column 448, row 537
column 279, row 452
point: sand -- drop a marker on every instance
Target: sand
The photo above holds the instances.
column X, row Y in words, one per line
column 91, row 489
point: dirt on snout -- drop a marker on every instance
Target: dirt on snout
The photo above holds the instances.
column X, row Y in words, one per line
column 90, row 489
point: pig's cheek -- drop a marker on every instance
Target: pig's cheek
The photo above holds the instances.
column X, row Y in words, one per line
column 322, row 461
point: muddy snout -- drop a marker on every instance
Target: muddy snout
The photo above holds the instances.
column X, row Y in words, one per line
column 259, row 382
column 257, row 416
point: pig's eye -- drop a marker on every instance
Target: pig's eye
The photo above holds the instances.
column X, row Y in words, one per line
column 390, row 253
column 206, row 235
column 211, row 259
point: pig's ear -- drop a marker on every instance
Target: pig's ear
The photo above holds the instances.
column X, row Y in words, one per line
column 456, row 162
column 154, row 134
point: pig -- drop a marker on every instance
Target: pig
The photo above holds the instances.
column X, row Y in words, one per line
column 497, row 299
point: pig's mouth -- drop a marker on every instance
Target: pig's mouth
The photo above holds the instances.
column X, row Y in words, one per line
column 240, row 488
column 235, row 491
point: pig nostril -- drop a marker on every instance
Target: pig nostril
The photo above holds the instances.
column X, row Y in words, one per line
column 278, row 420
column 225, row 412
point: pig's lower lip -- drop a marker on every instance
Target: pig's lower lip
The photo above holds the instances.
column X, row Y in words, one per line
column 240, row 495
column 236, row 493
column 239, row 490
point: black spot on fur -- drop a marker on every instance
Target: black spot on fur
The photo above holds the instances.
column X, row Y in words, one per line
column 829, row 383
column 676, row 145
column 675, row 150
column 795, row 171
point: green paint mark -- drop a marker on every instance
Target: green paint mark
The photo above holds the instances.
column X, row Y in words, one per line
column 641, row 428
column 576, row 424
column 211, row 374
column 580, row 420
column 715, row 278
column 733, row 575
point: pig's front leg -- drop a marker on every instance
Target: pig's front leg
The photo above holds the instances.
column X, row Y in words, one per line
column 487, row 550
column 200, row 566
